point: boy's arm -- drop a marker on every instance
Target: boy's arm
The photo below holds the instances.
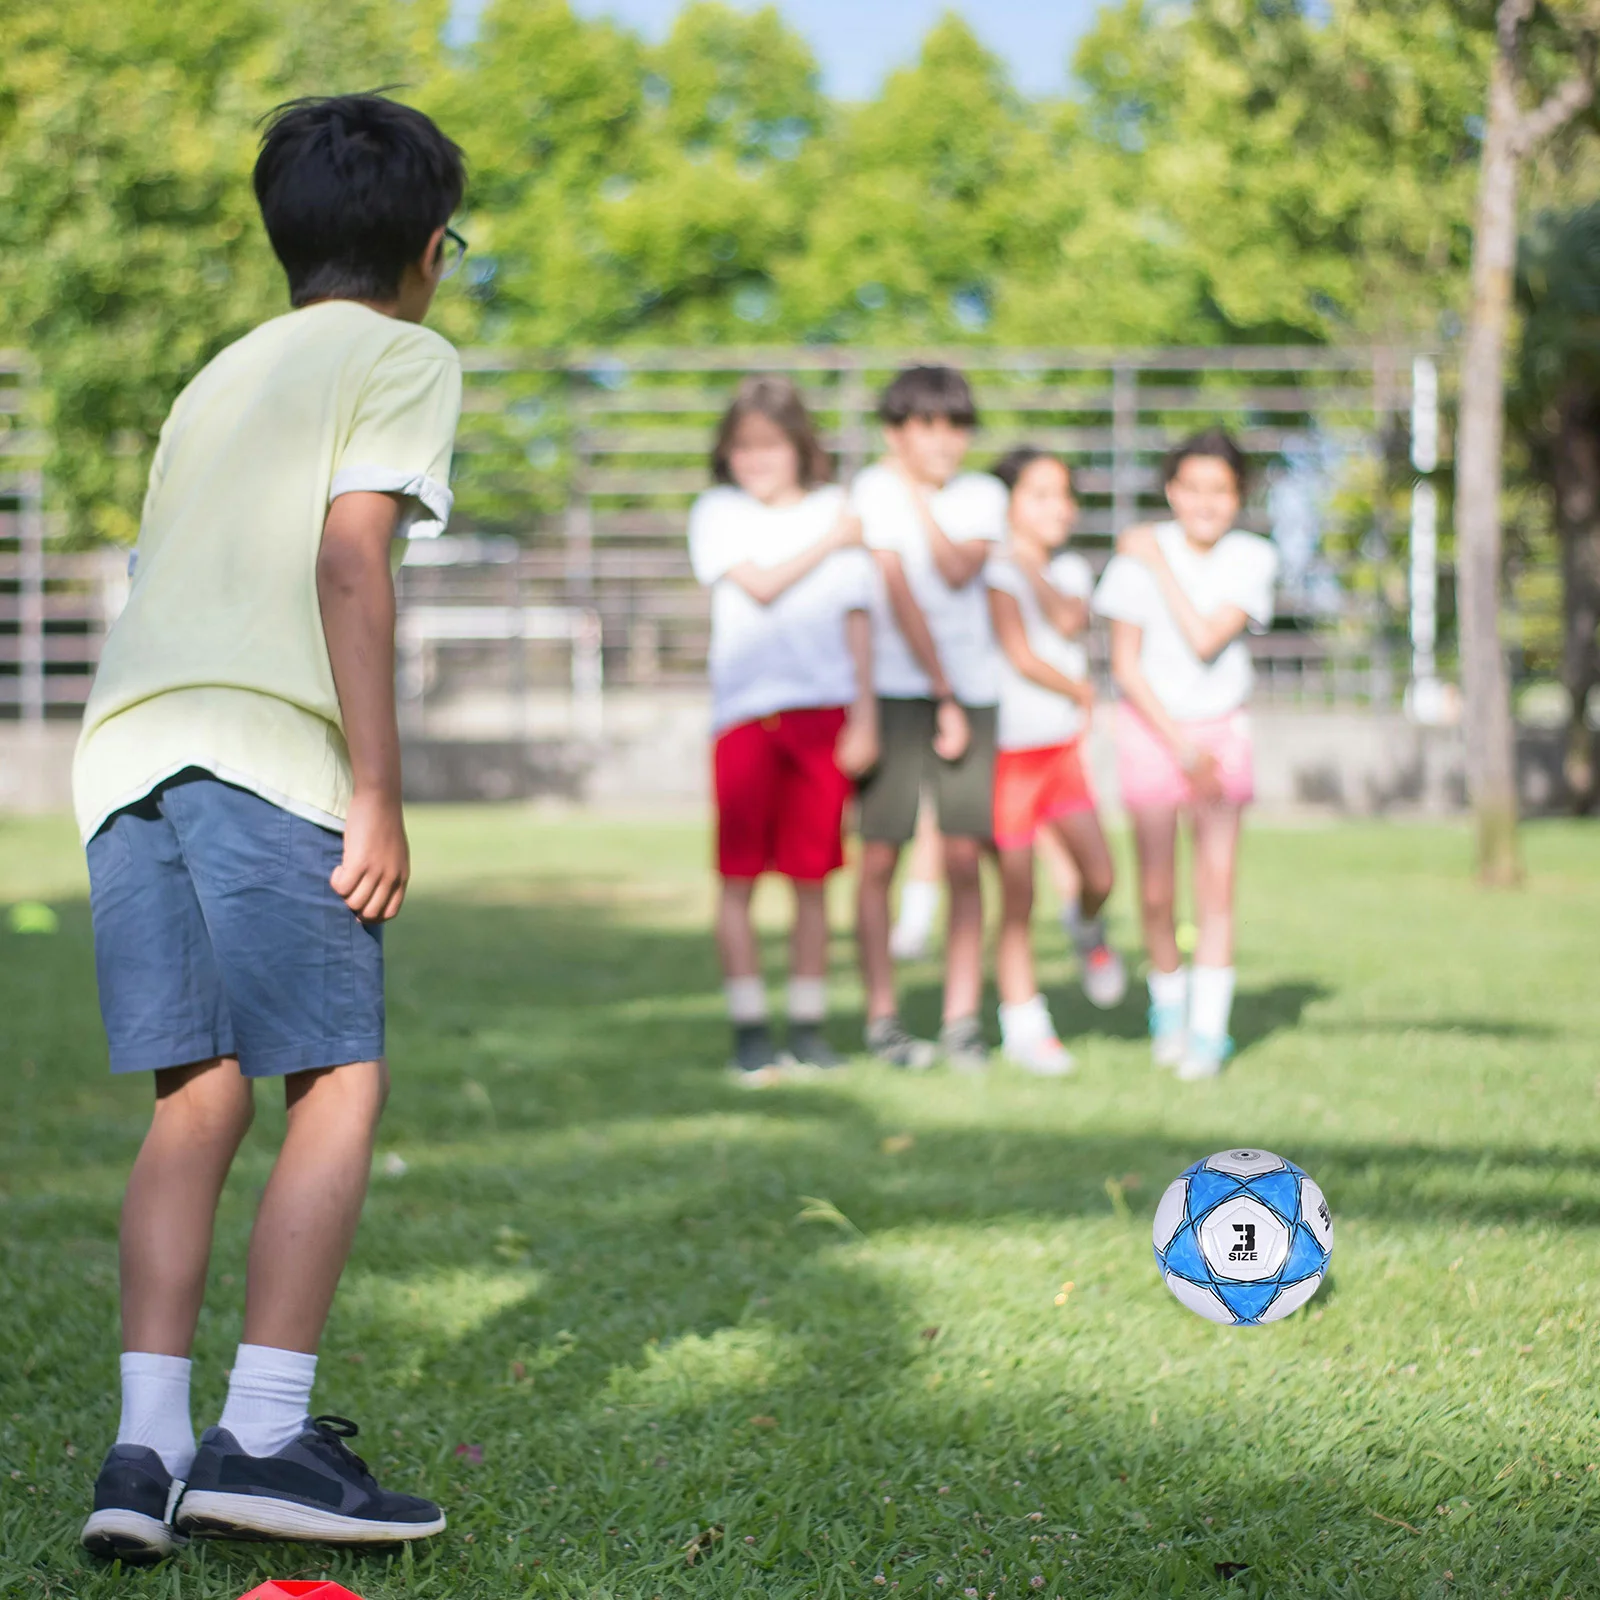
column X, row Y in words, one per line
column 1207, row 636
column 1068, row 614
column 765, row 584
column 951, row 741
column 957, row 563
column 857, row 749
column 355, row 588
column 1126, row 641
column 1012, row 635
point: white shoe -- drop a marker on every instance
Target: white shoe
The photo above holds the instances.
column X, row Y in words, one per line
column 907, row 943
column 1204, row 1057
column 1105, row 978
column 1169, row 1035
column 1044, row 1057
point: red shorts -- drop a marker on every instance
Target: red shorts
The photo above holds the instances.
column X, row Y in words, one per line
column 1032, row 786
column 781, row 796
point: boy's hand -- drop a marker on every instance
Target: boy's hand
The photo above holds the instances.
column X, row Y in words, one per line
column 952, row 734
column 856, row 751
column 372, row 878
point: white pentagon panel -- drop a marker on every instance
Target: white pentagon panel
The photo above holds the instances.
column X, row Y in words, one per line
column 1198, row 1298
column 1241, row 1239
column 1245, row 1163
column 1292, row 1298
column 1314, row 1212
column 1169, row 1214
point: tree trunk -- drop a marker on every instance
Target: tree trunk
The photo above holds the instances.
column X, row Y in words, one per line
column 1491, row 752
column 1576, row 478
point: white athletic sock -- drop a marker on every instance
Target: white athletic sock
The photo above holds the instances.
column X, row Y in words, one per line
column 1170, row 988
column 269, row 1398
column 1211, row 1001
column 1026, row 1022
column 155, row 1408
column 747, row 1001
column 919, row 905
column 808, row 999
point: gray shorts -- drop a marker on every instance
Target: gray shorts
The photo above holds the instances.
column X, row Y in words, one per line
column 963, row 791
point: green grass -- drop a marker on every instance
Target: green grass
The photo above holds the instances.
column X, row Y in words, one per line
column 595, row 1271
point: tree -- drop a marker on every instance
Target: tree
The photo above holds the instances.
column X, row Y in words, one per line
column 1510, row 134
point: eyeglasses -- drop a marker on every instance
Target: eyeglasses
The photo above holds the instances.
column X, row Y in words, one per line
column 452, row 252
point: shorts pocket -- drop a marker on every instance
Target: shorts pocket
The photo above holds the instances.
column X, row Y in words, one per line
column 231, row 839
column 109, row 857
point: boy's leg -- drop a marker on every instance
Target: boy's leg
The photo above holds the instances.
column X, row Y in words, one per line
column 808, row 977
column 879, row 858
column 1216, row 843
column 963, row 959
column 919, row 892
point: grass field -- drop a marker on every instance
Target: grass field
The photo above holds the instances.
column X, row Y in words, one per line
column 646, row 1335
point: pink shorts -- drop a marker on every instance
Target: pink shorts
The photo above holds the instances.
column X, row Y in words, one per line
column 1149, row 775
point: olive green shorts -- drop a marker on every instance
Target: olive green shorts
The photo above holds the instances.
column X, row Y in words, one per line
column 962, row 791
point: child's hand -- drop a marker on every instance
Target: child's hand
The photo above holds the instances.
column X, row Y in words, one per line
column 1140, row 544
column 372, row 878
column 1205, row 777
column 847, row 532
column 856, row 751
column 952, row 734
column 1083, row 693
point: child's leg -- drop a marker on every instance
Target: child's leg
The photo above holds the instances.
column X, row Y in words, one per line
column 919, row 892
column 1155, row 834
column 879, row 858
column 808, row 977
column 1063, row 870
column 1014, row 951
column 1083, row 842
column 1216, row 844
column 963, row 959
column 741, row 954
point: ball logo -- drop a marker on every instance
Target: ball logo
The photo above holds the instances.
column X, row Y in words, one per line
column 1244, row 1247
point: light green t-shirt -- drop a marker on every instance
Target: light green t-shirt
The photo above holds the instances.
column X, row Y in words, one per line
column 219, row 660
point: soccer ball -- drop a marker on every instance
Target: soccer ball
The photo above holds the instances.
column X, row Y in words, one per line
column 1243, row 1237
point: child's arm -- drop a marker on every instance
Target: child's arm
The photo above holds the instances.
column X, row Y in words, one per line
column 765, row 584
column 957, row 564
column 857, row 749
column 1207, row 636
column 1012, row 634
column 950, row 742
column 1201, row 765
column 1068, row 614
column 355, row 588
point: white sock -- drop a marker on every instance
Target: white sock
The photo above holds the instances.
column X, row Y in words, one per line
column 155, row 1408
column 747, row 1001
column 808, row 999
column 919, row 905
column 1211, row 1002
column 1170, row 988
column 1026, row 1022
column 269, row 1398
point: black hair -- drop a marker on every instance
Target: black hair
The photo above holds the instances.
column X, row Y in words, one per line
column 1215, row 443
column 351, row 188
column 928, row 392
column 778, row 400
column 1010, row 467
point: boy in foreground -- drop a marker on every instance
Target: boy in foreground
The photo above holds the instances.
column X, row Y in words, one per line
column 237, row 783
column 931, row 528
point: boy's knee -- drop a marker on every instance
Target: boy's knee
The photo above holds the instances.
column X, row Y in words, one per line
column 211, row 1103
column 878, row 861
column 962, row 858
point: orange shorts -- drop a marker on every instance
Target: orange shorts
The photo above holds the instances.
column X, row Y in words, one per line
column 1032, row 786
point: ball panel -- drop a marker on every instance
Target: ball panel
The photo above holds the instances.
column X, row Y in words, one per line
column 1315, row 1214
column 1247, row 1301
column 1243, row 1241
column 1307, row 1258
column 1169, row 1214
column 1183, row 1256
column 1292, row 1298
column 1281, row 1191
column 1245, row 1163
column 1207, row 1188
column 1198, row 1298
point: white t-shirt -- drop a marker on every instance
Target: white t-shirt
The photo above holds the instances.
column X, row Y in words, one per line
column 971, row 506
column 1239, row 570
column 1031, row 716
column 792, row 653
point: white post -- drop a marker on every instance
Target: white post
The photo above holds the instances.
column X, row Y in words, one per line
column 1424, row 696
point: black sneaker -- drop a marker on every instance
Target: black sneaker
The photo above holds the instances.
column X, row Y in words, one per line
column 755, row 1063
column 889, row 1042
column 809, row 1048
column 134, row 1498
column 315, row 1488
column 962, row 1047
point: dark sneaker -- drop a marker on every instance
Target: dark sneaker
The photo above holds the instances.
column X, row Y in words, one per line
column 962, row 1047
column 889, row 1042
column 756, row 1063
column 809, row 1048
column 316, row 1488
column 134, row 1498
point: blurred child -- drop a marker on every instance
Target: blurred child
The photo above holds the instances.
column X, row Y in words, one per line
column 920, row 889
column 237, row 781
column 1179, row 596
column 792, row 703
column 930, row 527
column 1039, row 603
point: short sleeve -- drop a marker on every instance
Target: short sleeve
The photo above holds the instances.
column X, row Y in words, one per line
column 983, row 510
column 402, row 437
column 998, row 573
column 715, row 545
column 873, row 498
column 1127, row 592
column 1070, row 575
column 853, row 578
column 1252, row 583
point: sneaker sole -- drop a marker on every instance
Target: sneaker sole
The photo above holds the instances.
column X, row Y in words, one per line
column 130, row 1537
column 254, row 1516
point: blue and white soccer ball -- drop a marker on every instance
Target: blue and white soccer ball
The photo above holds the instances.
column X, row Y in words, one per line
column 1243, row 1237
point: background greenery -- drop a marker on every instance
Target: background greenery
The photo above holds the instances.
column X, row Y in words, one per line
column 590, row 1316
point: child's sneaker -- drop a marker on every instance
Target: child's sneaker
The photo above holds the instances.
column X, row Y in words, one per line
column 809, row 1048
column 890, row 1043
column 1105, row 978
column 134, row 1499
column 756, row 1063
column 1044, row 1057
column 962, row 1047
column 1169, row 1034
column 1204, row 1057
column 316, row 1488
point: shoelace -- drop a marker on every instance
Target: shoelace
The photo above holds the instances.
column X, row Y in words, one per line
column 335, row 1430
